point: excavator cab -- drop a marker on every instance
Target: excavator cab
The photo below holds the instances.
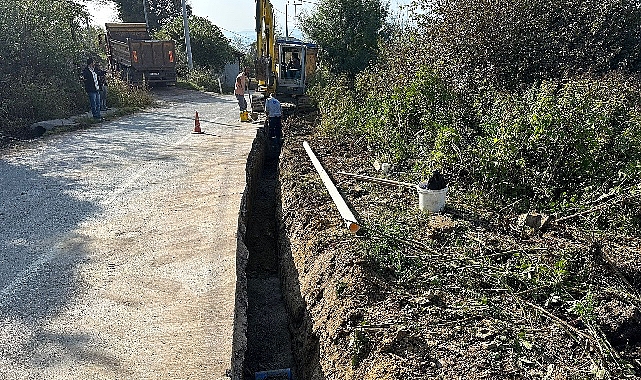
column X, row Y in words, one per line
column 291, row 67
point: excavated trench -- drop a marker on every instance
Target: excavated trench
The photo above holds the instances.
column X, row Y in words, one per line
column 268, row 340
column 271, row 324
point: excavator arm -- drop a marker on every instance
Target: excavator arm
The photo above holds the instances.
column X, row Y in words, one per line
column 266, row 55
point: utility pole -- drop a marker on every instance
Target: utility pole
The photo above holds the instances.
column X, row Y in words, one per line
column 190, row 62
column 295, row 4
column 144, row 7
column 296, row 9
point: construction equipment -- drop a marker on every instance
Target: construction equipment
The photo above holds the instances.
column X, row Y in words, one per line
column 265, row 48
column 284, row 65
column 136, row 57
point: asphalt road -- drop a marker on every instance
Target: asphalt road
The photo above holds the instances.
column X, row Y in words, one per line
column 118, row 242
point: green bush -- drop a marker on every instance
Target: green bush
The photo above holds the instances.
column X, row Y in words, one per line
column 560, row 143
column 42, row 46
column 406, row 119
column 39, row 97
column 349, row 32
column 209, row 46
column 123, row 95
column 508, row 44
column 204, row 79
column 337, row 103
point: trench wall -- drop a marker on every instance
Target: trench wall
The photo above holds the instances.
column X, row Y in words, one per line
column 253, row 168
column 305, row 344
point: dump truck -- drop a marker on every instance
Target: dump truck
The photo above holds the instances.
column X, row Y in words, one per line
column 136, row 58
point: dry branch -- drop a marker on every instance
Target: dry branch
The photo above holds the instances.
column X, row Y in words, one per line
column 591, row 210
column 379, row 180
column 557, row 320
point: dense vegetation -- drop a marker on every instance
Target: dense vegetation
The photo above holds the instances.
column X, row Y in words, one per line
column 44, row 47
column 532, row 110
column 211, row 50
column 513, row 102
column 41, row 46
column 159, row 12
column 511, row 44
column 348, row 30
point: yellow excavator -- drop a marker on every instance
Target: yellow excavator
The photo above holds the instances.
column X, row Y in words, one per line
column 283, row 65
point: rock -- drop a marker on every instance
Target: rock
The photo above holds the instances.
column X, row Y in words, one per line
column 532, row 220
column 485, row 333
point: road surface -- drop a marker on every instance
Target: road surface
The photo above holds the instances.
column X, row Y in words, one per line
column 118, row 242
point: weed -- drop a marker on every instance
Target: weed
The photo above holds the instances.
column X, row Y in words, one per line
column 188, row 85
column 359, row 346
column 522, row 342
column 124, row 95
column 554, row 147
column 203, row 80
column 341, row 286
column 584, row 308
column 388, row 250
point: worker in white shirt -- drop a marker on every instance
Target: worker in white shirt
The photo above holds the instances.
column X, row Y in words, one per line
column 274, row 114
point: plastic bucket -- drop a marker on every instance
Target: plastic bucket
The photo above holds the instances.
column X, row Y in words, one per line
column 431, row 200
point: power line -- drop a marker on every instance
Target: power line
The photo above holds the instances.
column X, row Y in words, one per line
column 290, row 17
column 237, row 34
column 308, row 2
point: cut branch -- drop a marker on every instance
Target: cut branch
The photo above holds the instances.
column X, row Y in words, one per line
column 379, row 180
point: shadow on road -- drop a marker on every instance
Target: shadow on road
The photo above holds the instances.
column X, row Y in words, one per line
column 39, row 256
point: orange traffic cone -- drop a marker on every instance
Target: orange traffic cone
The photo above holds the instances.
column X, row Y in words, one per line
column 197, row 125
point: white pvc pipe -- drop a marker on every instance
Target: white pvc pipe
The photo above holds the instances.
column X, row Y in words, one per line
column 346, row 213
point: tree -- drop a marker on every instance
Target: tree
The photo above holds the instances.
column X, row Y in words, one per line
column 159, row 12
column 508, row 43
column 42, row 46
column 209, row 47
column 348, row 32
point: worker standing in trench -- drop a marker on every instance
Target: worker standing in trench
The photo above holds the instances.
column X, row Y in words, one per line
column 274, row 114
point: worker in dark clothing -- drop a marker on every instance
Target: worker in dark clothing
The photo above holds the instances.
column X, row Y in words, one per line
column 293, row 66
column 92, row 87
column 102, row 83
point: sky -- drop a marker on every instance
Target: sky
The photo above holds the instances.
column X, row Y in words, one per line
column 235, row 17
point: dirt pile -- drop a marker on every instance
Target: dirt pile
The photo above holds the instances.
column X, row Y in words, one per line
column 468, row 293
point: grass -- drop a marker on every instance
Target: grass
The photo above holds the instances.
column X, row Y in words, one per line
column 188, row 85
